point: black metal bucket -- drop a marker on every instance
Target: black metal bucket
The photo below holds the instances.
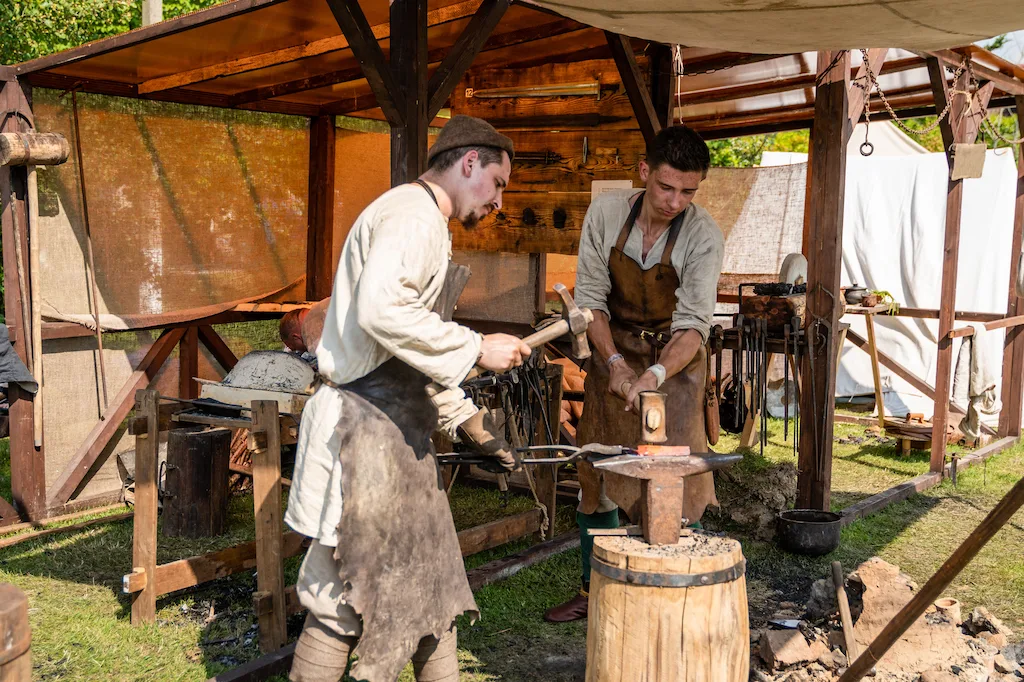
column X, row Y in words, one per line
column 808, row 531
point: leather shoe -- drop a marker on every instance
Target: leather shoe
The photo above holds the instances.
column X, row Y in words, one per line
column 574, row 609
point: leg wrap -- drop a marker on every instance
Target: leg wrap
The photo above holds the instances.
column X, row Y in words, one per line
column 437, row 660
column 321, row 655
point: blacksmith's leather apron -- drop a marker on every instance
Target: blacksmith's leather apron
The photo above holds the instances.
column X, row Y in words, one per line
column 398, row 553
column 641, row 303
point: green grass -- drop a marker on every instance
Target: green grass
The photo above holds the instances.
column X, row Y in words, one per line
column 80, row 617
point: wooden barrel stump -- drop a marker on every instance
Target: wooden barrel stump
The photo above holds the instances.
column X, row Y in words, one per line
column 15, row 636
column 196, row 482
column 670, row 613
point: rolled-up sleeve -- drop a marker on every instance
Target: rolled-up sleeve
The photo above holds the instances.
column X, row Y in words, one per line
column 698, row 281
column 401, row 262
column 593, row 282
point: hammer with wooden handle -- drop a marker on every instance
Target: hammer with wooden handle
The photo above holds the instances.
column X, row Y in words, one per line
column 575, row 321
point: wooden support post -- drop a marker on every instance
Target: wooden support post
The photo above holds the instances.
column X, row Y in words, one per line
column 266, row 489
column 869, row 320
column 828, row 184
column 28, row 470
column 409, row 71
column 15, row 636
column 363, row 42
column 961, row 125
column 188, row 364
column 95, row 446
column 147, row 405
column 1013, row 347
column 215, row 344
column 462, row 53
column 320, row 228
column 633, row 82
column 663, row 83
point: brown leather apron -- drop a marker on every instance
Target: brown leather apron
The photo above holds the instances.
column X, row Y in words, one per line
column 641, row 303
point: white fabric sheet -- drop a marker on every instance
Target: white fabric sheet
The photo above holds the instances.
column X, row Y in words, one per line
column 893, row 241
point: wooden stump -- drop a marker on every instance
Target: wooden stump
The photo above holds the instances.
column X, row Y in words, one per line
column 645, row 623
column 196, row 503
column 15, row 636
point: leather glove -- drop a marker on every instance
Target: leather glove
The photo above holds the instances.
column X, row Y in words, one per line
column 482, row 433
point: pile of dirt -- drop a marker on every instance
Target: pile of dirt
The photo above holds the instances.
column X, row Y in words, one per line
column 939, row 647
column 751, row 498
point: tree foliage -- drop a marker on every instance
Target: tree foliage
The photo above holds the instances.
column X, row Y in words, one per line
column 36, row 28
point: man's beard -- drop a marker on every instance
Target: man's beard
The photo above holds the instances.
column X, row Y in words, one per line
column 470, row 221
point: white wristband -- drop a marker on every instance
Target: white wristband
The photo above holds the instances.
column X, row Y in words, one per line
column 613, row 359
column 659, row 372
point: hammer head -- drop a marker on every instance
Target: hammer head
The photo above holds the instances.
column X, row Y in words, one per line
column 577, row 321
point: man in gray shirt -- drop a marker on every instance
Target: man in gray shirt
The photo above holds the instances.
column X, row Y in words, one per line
column 648, row 267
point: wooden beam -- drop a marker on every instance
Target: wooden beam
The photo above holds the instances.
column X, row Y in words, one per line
column 266, row 491
column 1013, row 346
column 897, row 493
column 463, row 52
column 147, row 405
column 12, row 540
column 409, row 70
column 187, row 573
column 215, row 344
column 97, row 442
column 633, row 82
column 352, row 21
column 188, row 364
column 501, row 569
column 663, row 82
column 860, row 87
column 320, row 227
column 828, row 183
column 319, row 80
column 28, row 463
column 496, row 533
column 954, row 128
column 1007, row 84
column 266, row 60
column 263, row 668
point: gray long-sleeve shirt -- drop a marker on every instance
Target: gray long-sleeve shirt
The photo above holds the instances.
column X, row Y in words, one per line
column 696, row 257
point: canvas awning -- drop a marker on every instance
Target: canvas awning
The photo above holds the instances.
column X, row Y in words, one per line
column 771, row 26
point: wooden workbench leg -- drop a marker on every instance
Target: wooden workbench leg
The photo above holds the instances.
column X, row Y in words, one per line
column 147, row 446
column 869, row 320
column 266, row 488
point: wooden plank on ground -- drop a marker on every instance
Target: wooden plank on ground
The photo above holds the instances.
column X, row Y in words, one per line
column 46, row 532
column 263, row 668
column 500, row 532
column 893, row 495
column 144, row 528
column 95, row 445
column 266, row 490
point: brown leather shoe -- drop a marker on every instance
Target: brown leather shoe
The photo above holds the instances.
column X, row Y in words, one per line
column 574, row 609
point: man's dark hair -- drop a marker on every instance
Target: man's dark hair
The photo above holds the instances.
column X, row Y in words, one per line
column 680, row 147
column 447, row 159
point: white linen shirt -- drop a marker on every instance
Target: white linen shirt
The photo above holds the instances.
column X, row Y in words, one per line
column 391, row 273
column 696, row 258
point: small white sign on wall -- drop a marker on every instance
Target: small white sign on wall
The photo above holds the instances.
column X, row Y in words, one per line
column 599, row 186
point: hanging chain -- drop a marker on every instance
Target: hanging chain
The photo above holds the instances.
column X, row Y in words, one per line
column 972, row 80
column 873, row 84
column 678, row 67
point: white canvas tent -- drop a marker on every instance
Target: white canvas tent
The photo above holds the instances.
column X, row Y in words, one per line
column 893, row 241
